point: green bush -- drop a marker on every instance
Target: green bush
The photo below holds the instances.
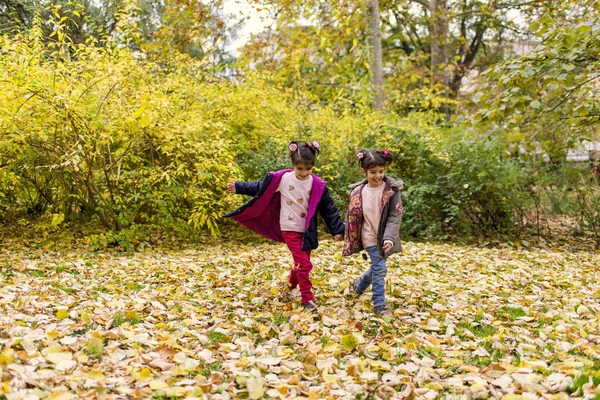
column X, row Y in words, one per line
column 100, row 133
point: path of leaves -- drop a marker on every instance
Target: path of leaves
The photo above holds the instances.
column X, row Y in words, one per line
column 505, row 322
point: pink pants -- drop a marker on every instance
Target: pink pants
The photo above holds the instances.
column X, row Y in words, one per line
column 302, row 265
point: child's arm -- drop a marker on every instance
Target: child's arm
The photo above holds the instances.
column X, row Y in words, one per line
column 331, row 215
column 248, row 188
column 392, row 227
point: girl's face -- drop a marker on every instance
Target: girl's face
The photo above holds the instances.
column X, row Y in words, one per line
column 374, row 175
column 303, row 170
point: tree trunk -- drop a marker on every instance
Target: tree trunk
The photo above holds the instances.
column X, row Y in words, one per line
column 377, row 62
column 439, row 35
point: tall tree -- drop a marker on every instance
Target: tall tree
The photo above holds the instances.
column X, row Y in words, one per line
column 428, row 46
column 377, row 62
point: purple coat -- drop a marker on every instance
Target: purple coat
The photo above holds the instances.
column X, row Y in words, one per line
column 261, row 213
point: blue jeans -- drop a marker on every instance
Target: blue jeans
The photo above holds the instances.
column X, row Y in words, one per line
column 374, row 276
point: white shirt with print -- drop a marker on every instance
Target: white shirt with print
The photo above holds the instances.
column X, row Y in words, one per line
column 295, row 195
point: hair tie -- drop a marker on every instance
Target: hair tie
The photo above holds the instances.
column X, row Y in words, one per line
column 315, row 144
column 293, row 147
column 360, row 155
column 385, row 152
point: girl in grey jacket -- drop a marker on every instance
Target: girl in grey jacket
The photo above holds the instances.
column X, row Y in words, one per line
column 373, row 223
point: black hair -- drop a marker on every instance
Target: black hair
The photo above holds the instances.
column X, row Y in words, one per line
column 303, row 152
column 368, row 159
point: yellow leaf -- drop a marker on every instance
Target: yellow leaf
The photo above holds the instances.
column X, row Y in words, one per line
column 95, row 374
column 142, row 375
column 52, row 334
column 313, row 395
column 7, row 356
column 256, row 388
column 156, row 385
column 329, row 378
column 452, row 361
column 85, row 317
column 349, row 342
column 55, row 358
column 264, row 329
column 60, row 396
column 62, row 314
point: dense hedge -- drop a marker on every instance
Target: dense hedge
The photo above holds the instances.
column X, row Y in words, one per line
column 94, row 132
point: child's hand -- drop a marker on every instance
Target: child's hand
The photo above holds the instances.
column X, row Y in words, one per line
column 231, row 187
column 338, row 237
column 387, row 246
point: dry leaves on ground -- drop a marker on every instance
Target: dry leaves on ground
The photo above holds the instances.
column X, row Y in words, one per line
column 205, row 322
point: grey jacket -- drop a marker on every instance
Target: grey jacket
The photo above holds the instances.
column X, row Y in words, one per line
column 389, row 225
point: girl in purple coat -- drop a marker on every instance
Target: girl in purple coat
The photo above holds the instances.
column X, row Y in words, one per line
column 284, row 208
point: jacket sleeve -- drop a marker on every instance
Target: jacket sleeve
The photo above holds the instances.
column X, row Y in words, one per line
column 392, row 227
column 330, row 213
column 248, row 188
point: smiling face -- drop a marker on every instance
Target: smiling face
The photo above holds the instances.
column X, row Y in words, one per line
column 374, row 175
column 303, row 170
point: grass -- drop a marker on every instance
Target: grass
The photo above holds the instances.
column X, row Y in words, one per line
column 218, row 337
column 479, row 330
column 280, row 319
column 131, row 316
column 136, row 287
column 64, row 288
column 510, row 313
column 118, row 319
column 580, row 380
column 479, row 361
column 81, row 331
column 208, row 369
column 59, row 268
column 95, row 348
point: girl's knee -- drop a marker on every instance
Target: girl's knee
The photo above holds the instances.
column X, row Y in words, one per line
column 380, row 273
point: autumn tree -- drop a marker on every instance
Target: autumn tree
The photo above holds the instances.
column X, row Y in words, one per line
column 549, row 97
column 428, row 46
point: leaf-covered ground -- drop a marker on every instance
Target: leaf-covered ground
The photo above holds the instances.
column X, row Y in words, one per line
column 204, row 321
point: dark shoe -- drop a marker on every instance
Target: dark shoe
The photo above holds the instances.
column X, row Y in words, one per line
column 311, row 306
column 353, row 290
column 381, row 310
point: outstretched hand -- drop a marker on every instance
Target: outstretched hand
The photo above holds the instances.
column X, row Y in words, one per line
column 231, row 187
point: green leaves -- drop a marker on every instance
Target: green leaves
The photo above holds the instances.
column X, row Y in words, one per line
column 552, row 85
column 535, row 104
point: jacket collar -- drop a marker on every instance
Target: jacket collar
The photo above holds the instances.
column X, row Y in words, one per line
column 395, row 184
